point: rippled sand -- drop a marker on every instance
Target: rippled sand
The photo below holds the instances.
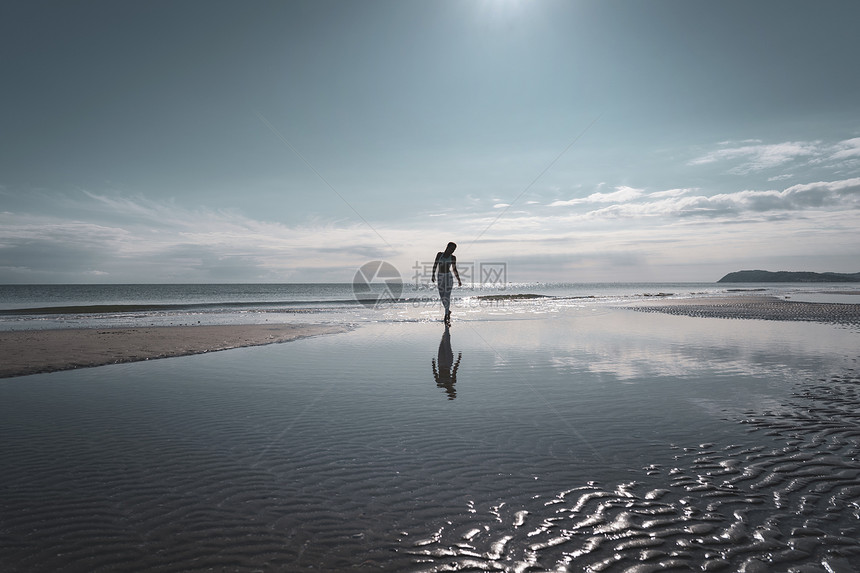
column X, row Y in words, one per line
column 761, row 308
column 588, row 440
column 719, row 507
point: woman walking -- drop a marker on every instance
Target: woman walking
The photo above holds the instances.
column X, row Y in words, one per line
column 446, row 263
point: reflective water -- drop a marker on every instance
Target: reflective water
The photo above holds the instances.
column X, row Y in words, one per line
column 582, row 438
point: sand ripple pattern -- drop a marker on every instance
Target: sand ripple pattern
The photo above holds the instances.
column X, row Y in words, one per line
column 764, row 308
column 149, row 491
column 794, row 508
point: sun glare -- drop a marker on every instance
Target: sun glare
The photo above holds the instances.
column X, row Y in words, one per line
column 500, row 9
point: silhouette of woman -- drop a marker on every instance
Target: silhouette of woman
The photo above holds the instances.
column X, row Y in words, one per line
column 446, row 371
column 446, row 263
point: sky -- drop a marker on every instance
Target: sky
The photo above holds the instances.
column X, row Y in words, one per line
column 293, row 141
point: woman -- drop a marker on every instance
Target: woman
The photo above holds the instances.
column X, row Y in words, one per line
column 446, row 262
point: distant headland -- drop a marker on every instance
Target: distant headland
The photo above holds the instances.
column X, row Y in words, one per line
column 789, row 277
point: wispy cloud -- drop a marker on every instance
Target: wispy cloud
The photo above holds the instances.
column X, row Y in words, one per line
column 753, row 156
column 621, row 194
column 847, row 149
column 120, row 238
column 128, row 238
column 757, row 157
column 670, row 193
column 828, row 195
column 628, row 202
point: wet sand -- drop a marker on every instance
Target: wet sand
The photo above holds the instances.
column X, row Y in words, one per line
column 585, row 441
column 760, row 308
column 37, row 351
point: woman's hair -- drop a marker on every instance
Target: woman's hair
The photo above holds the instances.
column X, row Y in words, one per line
column 451, row 246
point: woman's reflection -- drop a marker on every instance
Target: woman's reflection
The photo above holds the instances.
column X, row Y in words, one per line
column 445, row 372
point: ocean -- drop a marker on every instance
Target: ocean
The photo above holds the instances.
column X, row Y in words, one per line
column 72, row 306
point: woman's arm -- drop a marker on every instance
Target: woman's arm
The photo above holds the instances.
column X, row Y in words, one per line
column 435, row 264
column 454, row 268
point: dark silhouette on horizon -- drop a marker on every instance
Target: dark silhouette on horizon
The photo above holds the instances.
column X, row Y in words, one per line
column 446, row 262
column 444, row 366
column 789, row 277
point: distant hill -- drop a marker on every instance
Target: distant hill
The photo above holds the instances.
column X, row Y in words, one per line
column 789, row 277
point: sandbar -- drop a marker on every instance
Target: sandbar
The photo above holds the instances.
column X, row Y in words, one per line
column 24, row 352
column 758, row 307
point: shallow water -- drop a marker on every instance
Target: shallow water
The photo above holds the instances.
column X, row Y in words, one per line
column 582, row 438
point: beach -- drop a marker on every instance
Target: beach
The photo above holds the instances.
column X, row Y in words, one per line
column 715, row 433
column 34, row 351
column 478, row 286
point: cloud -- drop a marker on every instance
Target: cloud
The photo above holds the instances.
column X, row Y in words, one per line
column 671, row 207
column 670, row 193
column 685, row 203
column 752, row 156
column 782, row 177
column 833, row 195
column 621, row 194
column 845, row 193
column 57, row 248
column 111, row 238
column 729, row 142
column 760, row 156
column 134, row 239
column 847, row 149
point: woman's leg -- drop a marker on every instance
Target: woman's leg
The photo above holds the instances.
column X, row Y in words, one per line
column 445, row 283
